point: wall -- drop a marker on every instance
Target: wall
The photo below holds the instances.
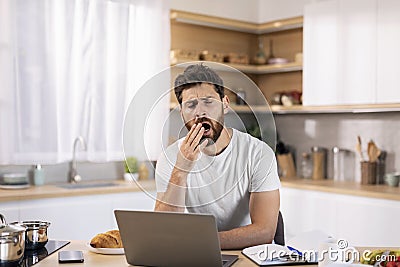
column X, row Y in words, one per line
column 232, row 9
column 257, row 11
column 329, row 130
column 269, row 10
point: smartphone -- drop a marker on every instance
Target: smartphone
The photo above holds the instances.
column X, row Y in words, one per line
column 70, row 256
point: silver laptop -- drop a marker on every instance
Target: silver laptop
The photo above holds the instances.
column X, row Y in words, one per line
column 171, row 239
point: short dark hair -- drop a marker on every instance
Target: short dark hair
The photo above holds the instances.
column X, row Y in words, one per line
column 195, row 75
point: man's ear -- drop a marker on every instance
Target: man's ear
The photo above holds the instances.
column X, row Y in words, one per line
column 225, row 103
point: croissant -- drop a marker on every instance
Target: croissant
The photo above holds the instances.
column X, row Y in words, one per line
column 109, row 239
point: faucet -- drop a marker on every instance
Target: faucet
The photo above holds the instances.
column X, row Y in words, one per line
column 73, row 176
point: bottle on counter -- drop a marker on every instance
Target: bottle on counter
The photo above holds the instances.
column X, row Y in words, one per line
column 381, row 168
column 343, row 164
column 37, row 175
column 319, row 157
column 305, row 166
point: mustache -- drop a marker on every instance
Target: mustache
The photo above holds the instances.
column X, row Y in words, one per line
column 211, row 122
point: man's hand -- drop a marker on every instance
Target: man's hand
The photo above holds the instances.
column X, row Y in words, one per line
column 174, row 198
column 190, row 148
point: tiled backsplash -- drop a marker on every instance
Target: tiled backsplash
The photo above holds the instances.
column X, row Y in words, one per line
column 302, row 131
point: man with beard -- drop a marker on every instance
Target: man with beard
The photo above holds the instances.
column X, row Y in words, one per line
column 218, row 170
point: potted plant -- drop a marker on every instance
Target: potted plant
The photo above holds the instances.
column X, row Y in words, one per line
column 131, row 169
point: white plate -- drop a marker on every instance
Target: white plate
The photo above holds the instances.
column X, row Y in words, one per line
column 14, row 186
column 106, row 251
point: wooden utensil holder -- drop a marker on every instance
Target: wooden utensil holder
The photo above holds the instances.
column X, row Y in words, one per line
column 286, row 165
column 368, row 172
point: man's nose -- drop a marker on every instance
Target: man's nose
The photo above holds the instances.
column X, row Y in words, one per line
column 200, row 111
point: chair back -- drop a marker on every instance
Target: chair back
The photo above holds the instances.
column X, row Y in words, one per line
column 279, row 237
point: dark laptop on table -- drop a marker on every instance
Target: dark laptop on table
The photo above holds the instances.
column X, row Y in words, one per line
column 171, row 239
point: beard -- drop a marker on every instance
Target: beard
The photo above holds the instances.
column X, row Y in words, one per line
column 213, row 128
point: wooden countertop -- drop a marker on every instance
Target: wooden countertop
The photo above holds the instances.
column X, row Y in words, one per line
column 98, row 260
column 346, row 188
column 330, row 186
column 54, row 190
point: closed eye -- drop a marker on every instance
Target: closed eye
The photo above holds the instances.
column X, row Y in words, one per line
column 191, row 104
column 208, row 100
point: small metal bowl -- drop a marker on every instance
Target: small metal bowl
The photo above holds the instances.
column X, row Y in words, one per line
column 35, row 234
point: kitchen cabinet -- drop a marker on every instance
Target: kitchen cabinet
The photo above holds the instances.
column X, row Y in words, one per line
column 360, row 220
column 388, row 44
column 351, row 50
column 193, row 33
column 79, row 217
column 320, row 49
column 357, row 55
column 340, row 52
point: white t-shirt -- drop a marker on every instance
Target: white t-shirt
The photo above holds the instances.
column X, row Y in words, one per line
column 221, row 185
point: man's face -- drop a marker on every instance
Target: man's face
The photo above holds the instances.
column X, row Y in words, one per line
column 202, row 104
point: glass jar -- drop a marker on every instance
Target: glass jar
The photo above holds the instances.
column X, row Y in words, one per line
column 260, row 58
column 343, row 164
column 305, row 166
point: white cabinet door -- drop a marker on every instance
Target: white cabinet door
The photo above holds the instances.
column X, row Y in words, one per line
column 321, row 49
column 361, row 221
column 72, row 218
column 366, row 221
column 388, row 42
column 357, row 52
column 339, row 52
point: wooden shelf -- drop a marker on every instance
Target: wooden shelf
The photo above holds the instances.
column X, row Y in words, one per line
column 299, row 109
column 236, row 25
column 235, row 108
column 265, row 69
column 247, row 109
column 336, row 109
column 250, row 69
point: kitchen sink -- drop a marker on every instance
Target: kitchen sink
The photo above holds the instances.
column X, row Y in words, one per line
column 86, row 185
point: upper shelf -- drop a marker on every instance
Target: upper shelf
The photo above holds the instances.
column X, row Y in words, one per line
column 236, row 25
column 256, row 69
column 299, row 109
column 336, row 109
